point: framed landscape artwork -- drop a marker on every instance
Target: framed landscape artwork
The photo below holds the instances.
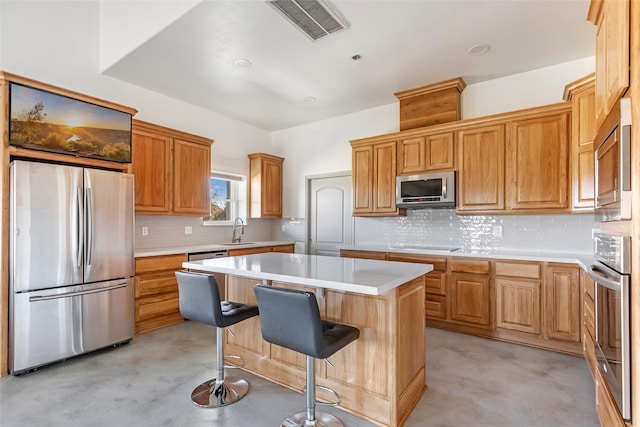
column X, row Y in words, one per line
column 47, row 121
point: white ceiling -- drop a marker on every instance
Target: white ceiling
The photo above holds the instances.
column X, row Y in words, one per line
column 402, row 44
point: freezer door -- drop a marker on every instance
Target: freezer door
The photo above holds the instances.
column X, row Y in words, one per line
column 46, row 226
column 109, row 218
column 55, row 324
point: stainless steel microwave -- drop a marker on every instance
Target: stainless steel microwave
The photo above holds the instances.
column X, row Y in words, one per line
column 431, row 190
column 613, row 165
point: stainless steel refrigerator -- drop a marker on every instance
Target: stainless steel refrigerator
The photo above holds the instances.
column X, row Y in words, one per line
column 71, row 262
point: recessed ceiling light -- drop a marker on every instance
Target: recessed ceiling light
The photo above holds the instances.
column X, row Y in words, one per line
column 309, row 99
column 242, row 63
column 479, row 49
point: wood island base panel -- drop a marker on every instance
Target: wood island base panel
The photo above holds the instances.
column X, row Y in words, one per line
column 379, row 377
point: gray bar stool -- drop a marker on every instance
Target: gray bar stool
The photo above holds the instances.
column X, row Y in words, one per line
column 200, row 301
column 291, row 319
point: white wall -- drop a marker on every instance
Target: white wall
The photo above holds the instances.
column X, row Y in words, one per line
column 323, row 147
column 58, row 43
column 523, row 90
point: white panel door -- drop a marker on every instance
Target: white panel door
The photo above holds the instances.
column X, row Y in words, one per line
column 331, row 223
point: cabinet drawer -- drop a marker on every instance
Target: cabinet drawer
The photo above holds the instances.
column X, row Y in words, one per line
column 249, row 251
column 470, row 266
column 589, row 286
column 435, row 307
column 588, row 348
column 288, row 249
column 435, row 283
column 439, row 264
column 159, row 263
column 157, row 306
column 154, row 284
column 518, row 269
column 589, row 318
column 347, row 253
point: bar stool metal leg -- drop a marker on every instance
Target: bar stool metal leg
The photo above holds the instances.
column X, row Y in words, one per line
column 221, row 391
column 311, row 417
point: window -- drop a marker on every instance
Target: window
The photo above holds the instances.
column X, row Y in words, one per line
column 228, row 200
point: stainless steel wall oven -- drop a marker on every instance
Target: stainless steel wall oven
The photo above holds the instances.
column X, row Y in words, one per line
column 612, row 274
column 613, row 165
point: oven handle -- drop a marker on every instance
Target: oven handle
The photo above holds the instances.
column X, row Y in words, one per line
column 600, row 276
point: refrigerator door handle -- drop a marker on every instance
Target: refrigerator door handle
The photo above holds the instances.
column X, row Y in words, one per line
column 74, row 294
column 79, row 238
column 89, row 220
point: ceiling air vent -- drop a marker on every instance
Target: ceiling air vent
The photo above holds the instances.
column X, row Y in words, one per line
column 315, row 18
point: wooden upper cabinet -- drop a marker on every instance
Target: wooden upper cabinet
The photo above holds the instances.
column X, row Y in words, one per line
column 481, row 157
column 151, row 166
column 411, row 155
column 581, row 94
column 362, row 164
column 384, row 178
column 612, row 18
column 265, row 187
column 374, row 178
column 439, row 151
column 537, row 163
column 192, row 162
column 424, row 153
column 171, row 169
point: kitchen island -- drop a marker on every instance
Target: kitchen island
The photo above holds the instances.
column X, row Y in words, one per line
column 380, row 376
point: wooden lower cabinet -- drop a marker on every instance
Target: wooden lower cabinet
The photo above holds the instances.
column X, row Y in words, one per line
column 562, row 302
column 525, row 302
column 436, row 301
column 380, row 376
column 157, row 303
column 518, row 296
column 348, row 253
column 605, row 405
column 288, row 248
column 470, row 292
column 518, row 305
column 469, row 299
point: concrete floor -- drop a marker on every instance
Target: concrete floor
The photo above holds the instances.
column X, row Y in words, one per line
column 147, row 383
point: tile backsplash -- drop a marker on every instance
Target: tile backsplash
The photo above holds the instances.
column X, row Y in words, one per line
column 442, row 227
column 168, row 231
column 433, row 227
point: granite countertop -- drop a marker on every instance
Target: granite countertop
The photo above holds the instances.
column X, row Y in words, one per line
column 582, row 259
column 355, row 275
column 207, row 248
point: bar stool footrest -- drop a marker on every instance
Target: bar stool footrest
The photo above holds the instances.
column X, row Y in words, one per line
column 324, row 402
column 234, row 366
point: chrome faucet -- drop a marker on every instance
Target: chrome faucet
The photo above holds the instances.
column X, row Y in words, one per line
column 237, row 224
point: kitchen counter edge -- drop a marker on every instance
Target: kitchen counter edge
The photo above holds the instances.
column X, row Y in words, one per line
column 584, row 260
column 208, row 248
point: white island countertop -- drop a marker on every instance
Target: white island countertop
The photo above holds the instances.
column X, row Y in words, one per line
column 361, row 276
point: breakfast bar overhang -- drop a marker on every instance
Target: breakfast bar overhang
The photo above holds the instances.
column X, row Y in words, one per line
column 380, row 376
